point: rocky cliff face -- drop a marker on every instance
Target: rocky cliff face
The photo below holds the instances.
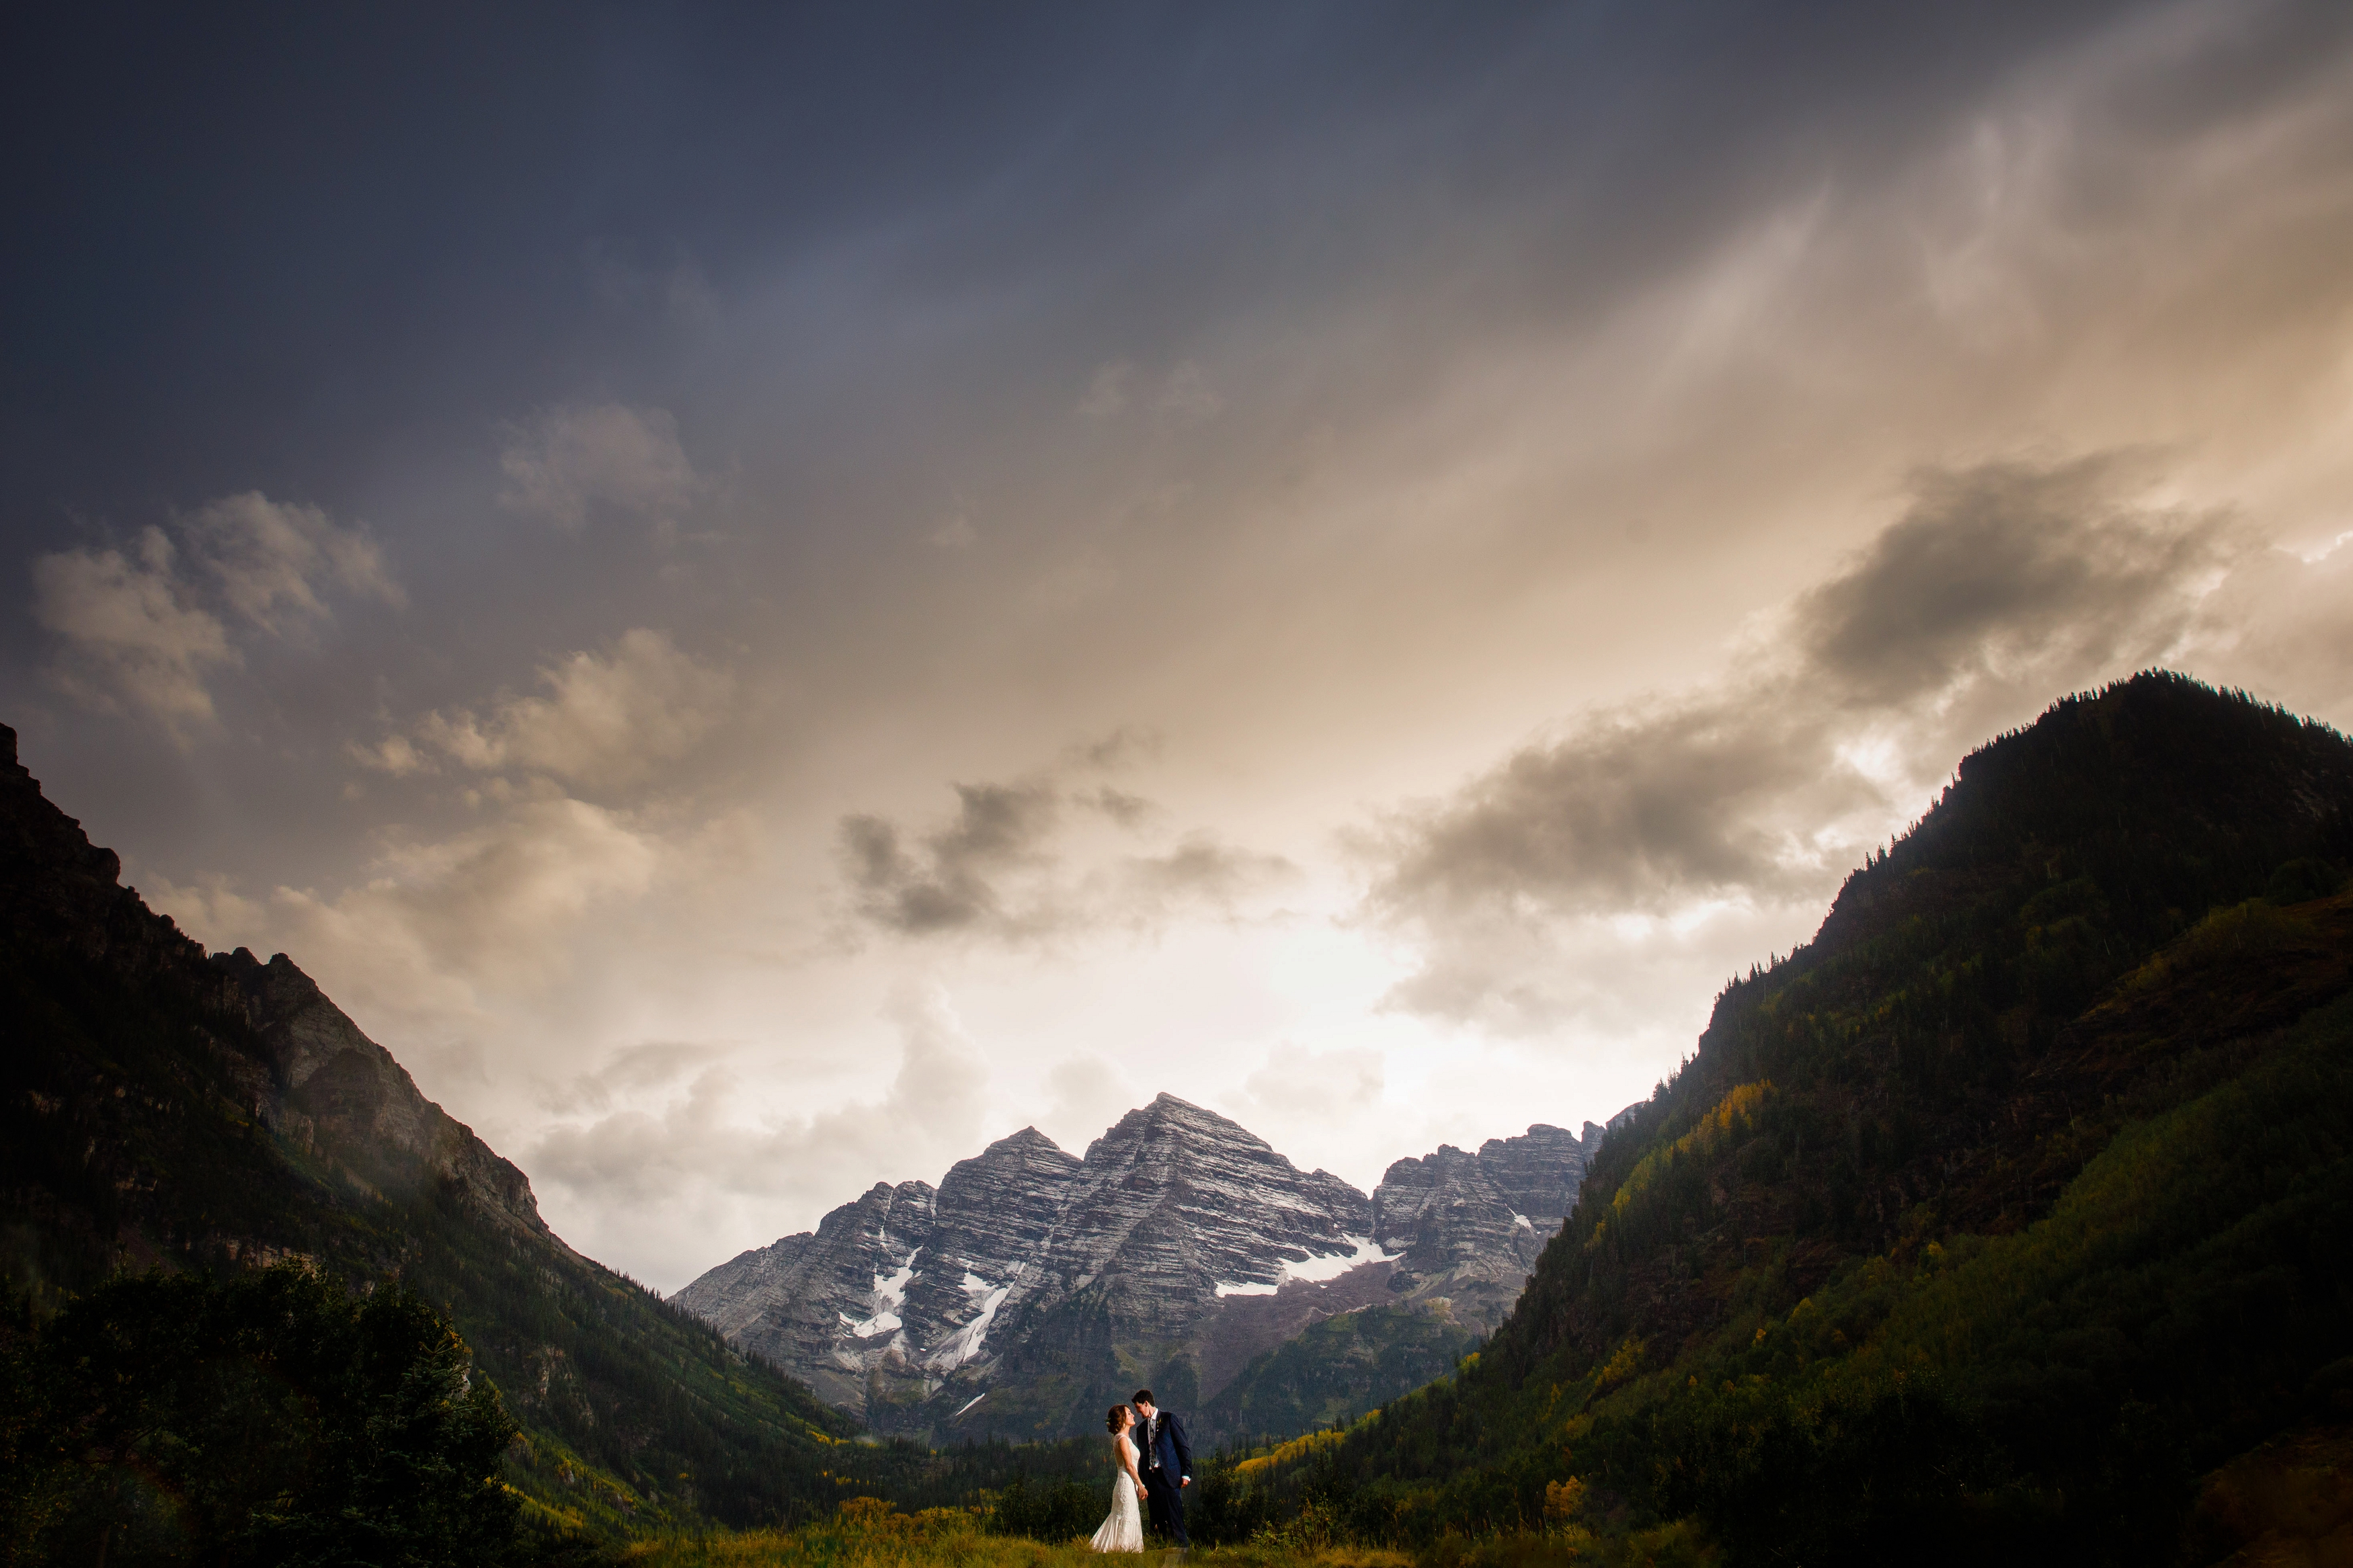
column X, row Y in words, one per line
column 997, row 1212
column 1467, row 1229
column 827, row 1305
column 315, row 1079
column 910, row 1306
column 1032, row 1289
column 331, row 1087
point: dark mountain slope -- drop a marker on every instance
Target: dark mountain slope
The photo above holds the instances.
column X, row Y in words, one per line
column 161, row 1108
column 1989, row 1218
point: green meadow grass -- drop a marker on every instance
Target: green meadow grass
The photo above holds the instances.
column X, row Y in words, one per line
column 869, row 1534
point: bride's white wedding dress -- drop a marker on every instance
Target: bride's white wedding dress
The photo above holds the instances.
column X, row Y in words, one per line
column 1122, row 1531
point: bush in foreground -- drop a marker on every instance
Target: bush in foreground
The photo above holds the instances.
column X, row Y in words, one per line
column 271, row 1418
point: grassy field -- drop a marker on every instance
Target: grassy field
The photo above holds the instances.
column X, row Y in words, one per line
column 869, row 1533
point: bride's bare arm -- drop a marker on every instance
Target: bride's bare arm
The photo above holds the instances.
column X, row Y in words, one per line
column 1128, row 1462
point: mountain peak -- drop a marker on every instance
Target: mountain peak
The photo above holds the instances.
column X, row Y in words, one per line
column 1171, row 1251
column 338, row 1085
column 1166, row 1112
column 1025, row 1258
column 2159, row 748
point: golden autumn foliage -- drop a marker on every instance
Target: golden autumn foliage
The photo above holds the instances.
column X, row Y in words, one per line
column 1730, row 1113
column 1296, row 1451
column 1623, row 1363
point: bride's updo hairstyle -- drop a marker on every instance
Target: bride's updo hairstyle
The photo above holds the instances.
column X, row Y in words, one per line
column 1111, row 1422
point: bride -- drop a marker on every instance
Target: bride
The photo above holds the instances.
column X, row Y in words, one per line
column 1123, row 1529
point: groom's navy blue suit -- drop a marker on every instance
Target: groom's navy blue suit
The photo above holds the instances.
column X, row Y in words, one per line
column 1166, row 1458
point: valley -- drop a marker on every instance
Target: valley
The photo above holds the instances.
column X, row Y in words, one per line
column 2010, row 1213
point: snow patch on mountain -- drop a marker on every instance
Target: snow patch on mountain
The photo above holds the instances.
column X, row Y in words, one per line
column 1362, row 1249
column 965, row 1343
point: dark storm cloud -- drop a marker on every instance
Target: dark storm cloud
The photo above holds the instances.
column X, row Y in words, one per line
column 1123, row 747
column 1119, row 805
column 1639, row 811
column 949, row 880
column 2005, row 575
column 490, row 209
column 2004, row 564
column 1002, row 869
column 404, row 263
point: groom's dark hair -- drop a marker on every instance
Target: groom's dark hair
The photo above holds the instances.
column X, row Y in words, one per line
column 1144, row 1396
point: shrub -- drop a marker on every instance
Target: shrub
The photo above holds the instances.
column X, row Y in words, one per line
column 271, row 1418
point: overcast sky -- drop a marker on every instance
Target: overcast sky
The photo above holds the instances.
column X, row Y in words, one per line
column 768, row 596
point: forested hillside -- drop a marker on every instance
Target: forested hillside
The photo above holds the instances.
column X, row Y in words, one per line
column 1984, row 1225
column 147, row 1119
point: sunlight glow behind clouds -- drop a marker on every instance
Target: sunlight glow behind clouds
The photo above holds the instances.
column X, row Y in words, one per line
column 1559, row 499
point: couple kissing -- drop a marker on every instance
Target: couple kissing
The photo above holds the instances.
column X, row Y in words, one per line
column 1152, row 1463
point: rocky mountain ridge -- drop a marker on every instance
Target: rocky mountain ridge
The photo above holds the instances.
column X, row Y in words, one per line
column 1029, row 1285
column 1466, row 1228
column 317, row 1079
column 329, row 1087
column 161, row 1108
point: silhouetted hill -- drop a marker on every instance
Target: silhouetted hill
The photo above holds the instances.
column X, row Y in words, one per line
column 1983, row 1223
column 159, row 1108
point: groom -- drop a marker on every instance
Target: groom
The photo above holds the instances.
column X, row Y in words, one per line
column 1166, row 1460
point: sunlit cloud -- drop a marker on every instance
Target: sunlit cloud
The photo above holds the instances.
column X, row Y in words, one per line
column 608, row 717
column 129, row 630
column 682, row 1128
column 1999, row 583
column 146, row 630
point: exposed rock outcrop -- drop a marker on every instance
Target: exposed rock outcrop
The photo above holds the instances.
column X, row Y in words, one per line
column 1467, row 1229
column 827, row 1304
column 1537, row 1173
column 996, row 1211
column 334, row 1086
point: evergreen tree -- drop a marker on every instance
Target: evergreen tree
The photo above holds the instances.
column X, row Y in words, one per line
column 272, row 1418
